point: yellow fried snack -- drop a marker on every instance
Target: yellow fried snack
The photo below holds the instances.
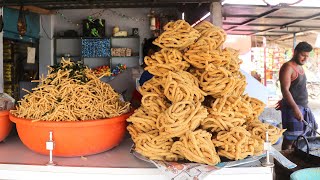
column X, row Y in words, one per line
column 216, row 34
column 182, row 86
column 155, row 147
column 237, row 104
column 257, row 106
column 152, row 86
column 217, row 81
column 135, row 130
column 240, row 85
column 178, row 34
column 165, row 60
column 179, row 118
column 196, row 147
column 199, row 55
column 204, row 25
column 234, row 62
column 144, row 120
column 235, row 144
column 258, row 131
column 71, row 92
column 196, row 92
column 154, row 103
column 221, row 121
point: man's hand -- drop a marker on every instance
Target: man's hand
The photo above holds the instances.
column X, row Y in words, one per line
column 297, row 113
column 278, row 105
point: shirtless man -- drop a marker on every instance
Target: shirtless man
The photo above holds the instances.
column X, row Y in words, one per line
column 294, row 105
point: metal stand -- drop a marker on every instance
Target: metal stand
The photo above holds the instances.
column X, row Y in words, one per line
column 267, row 146
column 50, row 147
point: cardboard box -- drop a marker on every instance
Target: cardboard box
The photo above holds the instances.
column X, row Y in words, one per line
column 121, row 52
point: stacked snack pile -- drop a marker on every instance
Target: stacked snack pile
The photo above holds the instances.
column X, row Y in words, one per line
column 194, row 108
column 71, row 92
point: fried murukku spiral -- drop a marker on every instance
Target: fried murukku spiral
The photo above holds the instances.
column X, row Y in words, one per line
column 178, row 34
column 155, row 147
column 154, row 103
column 258, row 131
column 143, row 120
column 237, row 104
column 235, row 144
column 234, row 61
column 182, row 86
column 181, row 117
column 214, row 33
column 152, row 86
column 240, row 85
column 217, row 81
column 257, row 106
column 199, row 55
column 204, row 25
column 165, row 60
column 197, row 146
column 221, row 121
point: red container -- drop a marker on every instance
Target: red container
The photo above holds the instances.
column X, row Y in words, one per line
column 72, row 138
column 5, row 124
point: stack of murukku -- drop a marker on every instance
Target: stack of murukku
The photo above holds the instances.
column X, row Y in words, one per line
column 194, row 108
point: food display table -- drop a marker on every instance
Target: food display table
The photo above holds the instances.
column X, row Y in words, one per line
column 18, row 162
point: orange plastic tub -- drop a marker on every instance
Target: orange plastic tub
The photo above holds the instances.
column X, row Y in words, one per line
column 5, row 124
column 72, row 138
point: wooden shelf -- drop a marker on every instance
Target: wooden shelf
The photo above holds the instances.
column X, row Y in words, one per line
column 124, row 37
column 106, row 37
column 124, row 56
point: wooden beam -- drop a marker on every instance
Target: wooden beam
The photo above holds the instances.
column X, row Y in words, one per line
column 34, row 9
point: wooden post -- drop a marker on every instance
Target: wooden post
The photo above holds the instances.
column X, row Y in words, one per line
column 34, row 9
column 1, row 57
column 216, row 13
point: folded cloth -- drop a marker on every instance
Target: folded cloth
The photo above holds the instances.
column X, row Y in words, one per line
column 309, row 117
column 295, row 127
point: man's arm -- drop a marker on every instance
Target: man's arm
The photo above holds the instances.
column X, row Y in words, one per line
column 285, row 82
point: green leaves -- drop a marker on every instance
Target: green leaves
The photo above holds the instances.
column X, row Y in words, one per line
column 100, row 22
column 77, row 71
column 90, row 19
column 95, row 32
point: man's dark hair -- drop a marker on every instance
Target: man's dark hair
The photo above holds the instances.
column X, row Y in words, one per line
column 303, row 47
column 148, row 45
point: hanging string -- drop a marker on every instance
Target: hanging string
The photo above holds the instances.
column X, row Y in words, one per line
column 99, row 14
column 67, row 19
column 126, row 16
column 284, row 3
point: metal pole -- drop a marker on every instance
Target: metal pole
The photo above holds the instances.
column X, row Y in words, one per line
column 216, row 13
column 50, row 147
column 265, row 60
column 294, row 40
column 267, row 148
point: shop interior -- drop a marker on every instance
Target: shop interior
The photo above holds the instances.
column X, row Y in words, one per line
column 108, row 37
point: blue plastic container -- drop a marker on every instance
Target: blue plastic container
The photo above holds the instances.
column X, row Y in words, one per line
column 306, row 174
